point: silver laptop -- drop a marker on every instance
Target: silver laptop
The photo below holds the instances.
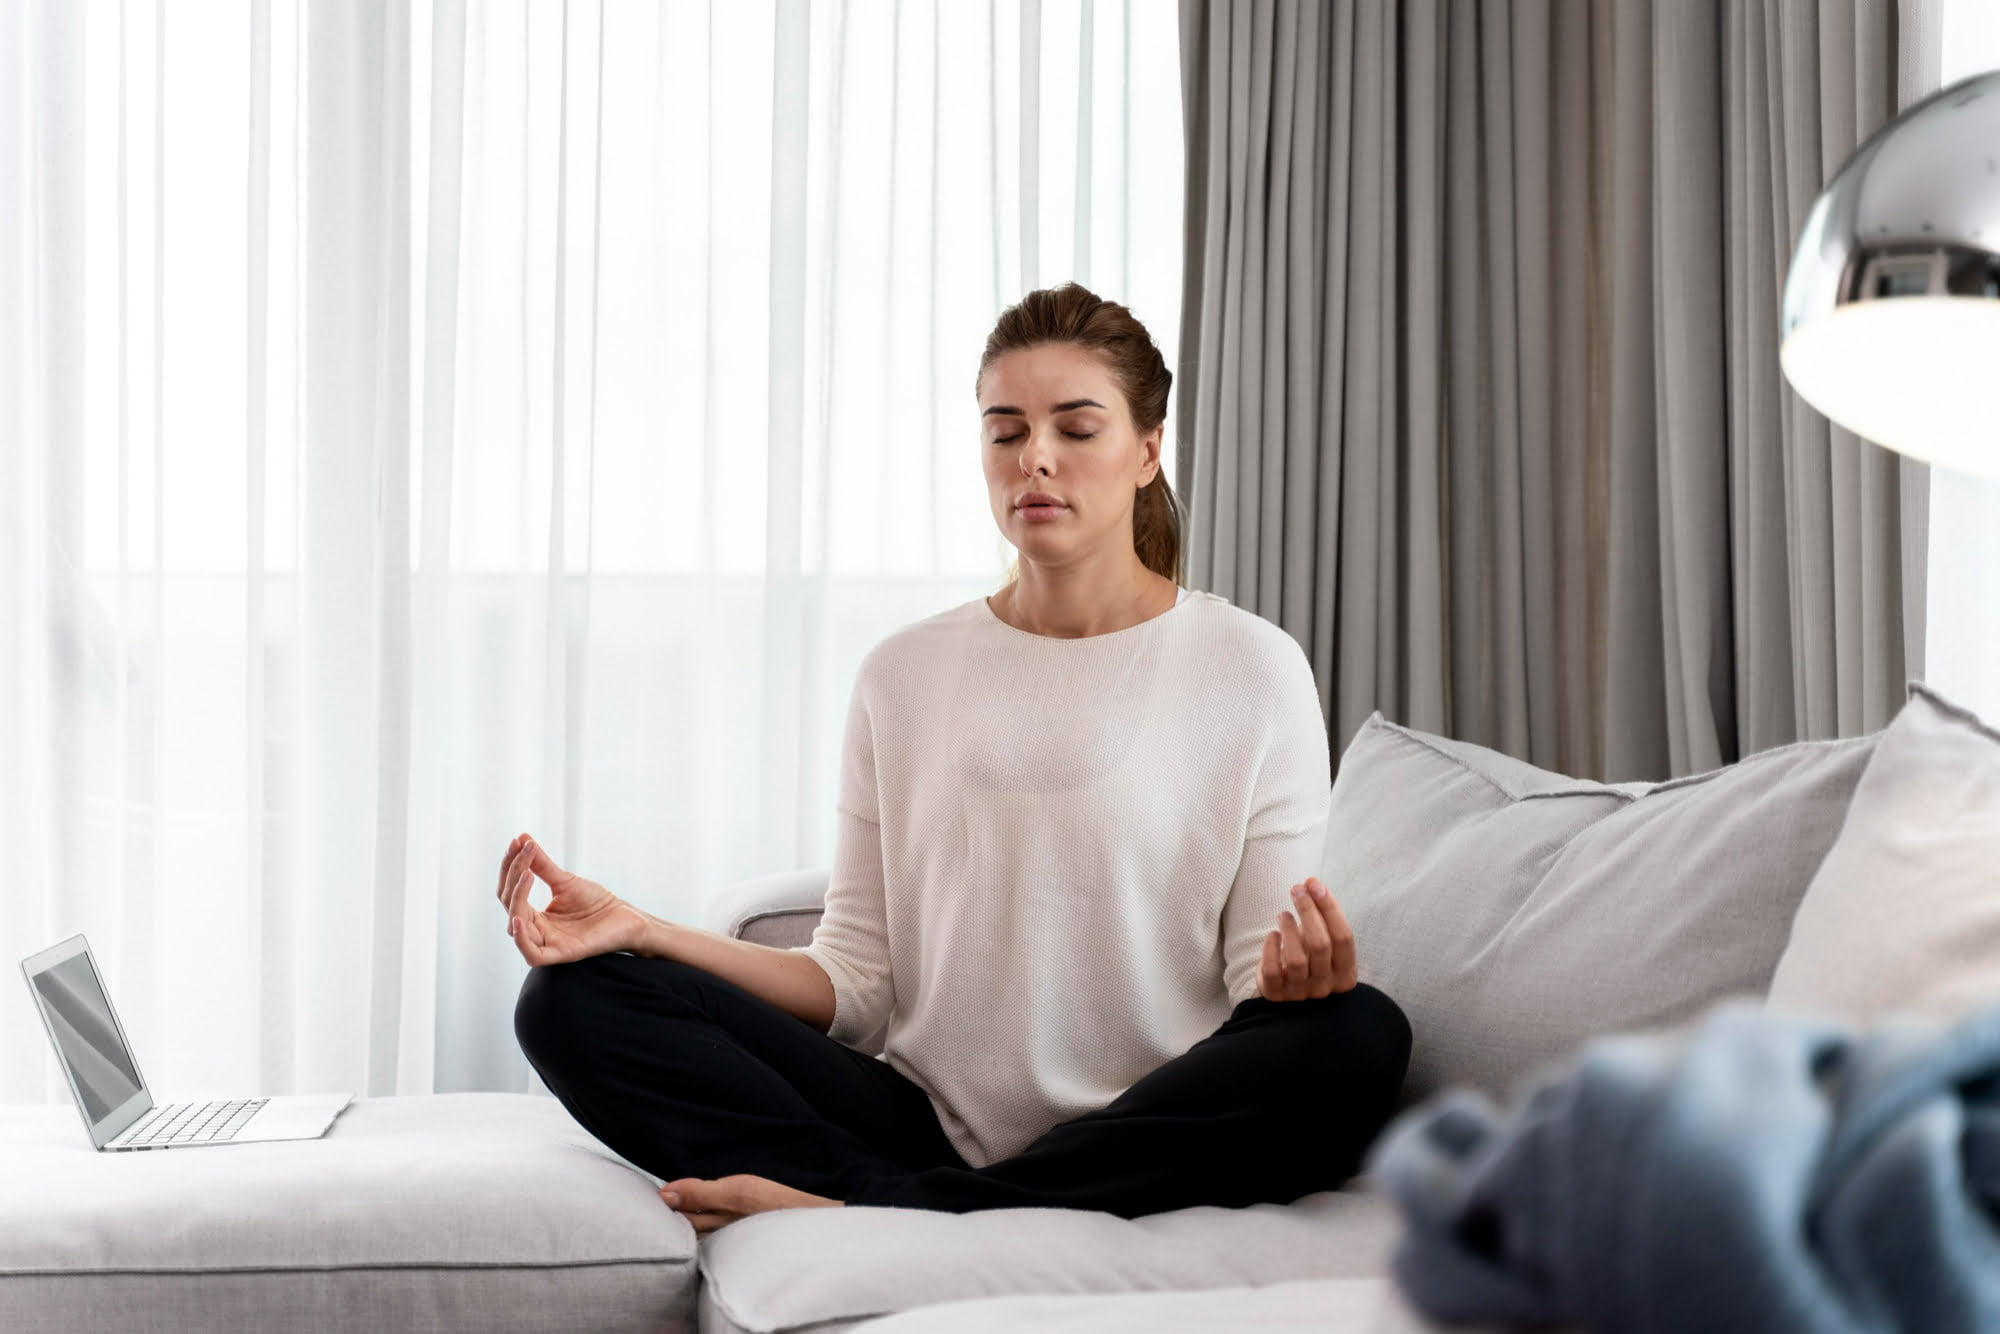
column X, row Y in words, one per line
column 117, row 1109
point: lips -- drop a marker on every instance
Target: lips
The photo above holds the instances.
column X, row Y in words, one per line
column 1038, row 499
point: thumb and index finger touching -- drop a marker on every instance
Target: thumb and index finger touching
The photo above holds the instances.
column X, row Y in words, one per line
column 1320, row 933
column 525, row 860
column 525, row 852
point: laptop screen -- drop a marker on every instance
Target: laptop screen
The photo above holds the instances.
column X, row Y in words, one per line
column 86, row 1036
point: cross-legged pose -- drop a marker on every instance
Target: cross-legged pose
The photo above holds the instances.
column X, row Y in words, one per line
column 1071, row 885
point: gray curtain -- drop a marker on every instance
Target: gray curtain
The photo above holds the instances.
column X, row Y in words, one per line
column 1478, row 387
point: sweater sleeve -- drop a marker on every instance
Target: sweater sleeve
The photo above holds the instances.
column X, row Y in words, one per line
column 1284, row 840
column 851, row 942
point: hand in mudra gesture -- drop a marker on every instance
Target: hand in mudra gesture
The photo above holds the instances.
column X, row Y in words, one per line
column 583, row 917
column 1312, row 954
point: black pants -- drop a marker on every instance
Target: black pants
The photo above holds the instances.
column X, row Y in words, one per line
column 688, row 1075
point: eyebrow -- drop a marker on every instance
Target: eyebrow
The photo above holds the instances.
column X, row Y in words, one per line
column 1060, row 407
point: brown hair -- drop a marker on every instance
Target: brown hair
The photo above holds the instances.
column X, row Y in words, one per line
column 1076, row 315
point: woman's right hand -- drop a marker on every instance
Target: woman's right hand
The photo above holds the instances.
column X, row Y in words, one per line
column 583, row 917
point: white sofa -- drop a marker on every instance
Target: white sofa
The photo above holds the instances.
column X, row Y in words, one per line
column 496, row 1211
column 1513, row 913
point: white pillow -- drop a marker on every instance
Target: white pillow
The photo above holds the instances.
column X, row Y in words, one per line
column 1904, row 913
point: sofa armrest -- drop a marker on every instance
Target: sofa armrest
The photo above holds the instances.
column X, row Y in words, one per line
column 779, row 910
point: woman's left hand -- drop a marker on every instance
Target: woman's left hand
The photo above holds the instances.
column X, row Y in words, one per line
column 1310, row 954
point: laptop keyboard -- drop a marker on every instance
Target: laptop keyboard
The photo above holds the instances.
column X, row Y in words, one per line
column 193, row 1122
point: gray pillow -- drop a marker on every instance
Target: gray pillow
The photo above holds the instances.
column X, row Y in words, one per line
column 1513, row 912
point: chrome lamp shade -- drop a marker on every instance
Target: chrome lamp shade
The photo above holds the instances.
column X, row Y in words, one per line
column 1891, row 322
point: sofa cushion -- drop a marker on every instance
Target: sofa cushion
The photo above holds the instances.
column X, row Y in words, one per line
column 1514, row 912
column 827, row 1269
column 1298, row 1306
column 1904, row 913
column 473, row 1211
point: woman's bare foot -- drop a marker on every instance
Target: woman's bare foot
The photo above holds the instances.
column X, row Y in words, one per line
column 711, row 1204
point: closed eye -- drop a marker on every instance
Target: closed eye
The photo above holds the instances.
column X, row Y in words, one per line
column 1087, row 435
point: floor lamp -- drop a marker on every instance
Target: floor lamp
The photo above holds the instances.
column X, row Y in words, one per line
column 1891, row 322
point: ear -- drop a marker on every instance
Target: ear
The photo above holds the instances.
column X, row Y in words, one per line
column 1150, row 442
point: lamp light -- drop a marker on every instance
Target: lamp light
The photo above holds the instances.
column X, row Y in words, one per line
column 1891, row 320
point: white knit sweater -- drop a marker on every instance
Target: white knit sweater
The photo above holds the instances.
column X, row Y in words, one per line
column 1056, row 859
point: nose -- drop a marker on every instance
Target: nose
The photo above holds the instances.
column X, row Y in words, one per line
column 1035, row 453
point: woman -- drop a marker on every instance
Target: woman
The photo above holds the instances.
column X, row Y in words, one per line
column 1070, row 819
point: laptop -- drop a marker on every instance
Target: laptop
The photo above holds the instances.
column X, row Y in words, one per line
column 116, row 1107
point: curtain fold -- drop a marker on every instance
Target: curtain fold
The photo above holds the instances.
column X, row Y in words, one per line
column 1564, row 503
column 425, row 422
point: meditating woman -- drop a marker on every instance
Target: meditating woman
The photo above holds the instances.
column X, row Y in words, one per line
column 1077, row 822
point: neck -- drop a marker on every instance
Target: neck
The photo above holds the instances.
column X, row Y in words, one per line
column 1061, row 609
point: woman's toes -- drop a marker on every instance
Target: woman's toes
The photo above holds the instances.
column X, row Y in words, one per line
column 710, row 1204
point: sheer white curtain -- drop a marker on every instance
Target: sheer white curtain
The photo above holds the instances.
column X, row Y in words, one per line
column 425, row 422
column 1962, row 648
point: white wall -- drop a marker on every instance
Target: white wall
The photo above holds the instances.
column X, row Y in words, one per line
column 1962, row 628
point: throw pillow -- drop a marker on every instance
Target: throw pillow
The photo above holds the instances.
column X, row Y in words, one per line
column 1514, row 912
column 1904, row 914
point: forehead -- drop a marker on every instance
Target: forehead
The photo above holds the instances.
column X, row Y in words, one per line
column 1034, row 379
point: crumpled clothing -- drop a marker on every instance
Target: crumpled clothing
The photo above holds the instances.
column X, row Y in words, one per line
column 1754, row 1172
